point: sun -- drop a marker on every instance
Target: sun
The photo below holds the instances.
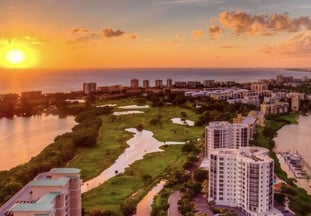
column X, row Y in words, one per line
column 18, row 55
column 15, row 56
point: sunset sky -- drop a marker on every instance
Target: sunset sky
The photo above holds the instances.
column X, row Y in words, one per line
column 157, row 33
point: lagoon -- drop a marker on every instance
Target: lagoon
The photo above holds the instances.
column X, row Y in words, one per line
column 292, row 138
column 22, row 138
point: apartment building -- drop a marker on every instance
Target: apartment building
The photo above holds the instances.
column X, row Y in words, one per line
column 158, row 83
column 222, row 134
column 146, row 84
column 260, row 116
column 134, row 83
column 169, row 83
column 251, row 122
column 55, row 193
column 243, row 178
column 89, row 88
column 259, row 88
column 275, row 108
column 295, row 101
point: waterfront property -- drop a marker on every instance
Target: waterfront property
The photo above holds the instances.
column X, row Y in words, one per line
column 55, row 193
column 297, row 165
column 243, row 178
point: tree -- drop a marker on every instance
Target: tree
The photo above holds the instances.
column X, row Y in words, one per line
column 140, row 127
column 25, row 108
column 200, row 175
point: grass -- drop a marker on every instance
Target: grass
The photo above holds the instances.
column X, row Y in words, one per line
column 112, row 140
column 112, row 193
column 292, row 118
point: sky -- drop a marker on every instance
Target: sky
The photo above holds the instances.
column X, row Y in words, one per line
column 157, row 33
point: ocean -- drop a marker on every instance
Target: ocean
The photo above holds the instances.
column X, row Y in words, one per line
column 15, row 81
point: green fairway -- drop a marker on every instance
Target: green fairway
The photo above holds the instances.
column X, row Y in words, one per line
column 136, row 181
column 112, row 139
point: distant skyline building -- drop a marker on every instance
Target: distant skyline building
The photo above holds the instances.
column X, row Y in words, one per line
column 243, row 178
column 55, row 193
column 295, row 102
column 89, row 88
column 209, row 83
column 169, row 83
column 259, row 88
column 32, row 96
column 158, row 83
column 222, row 134
column 134, row 83
column 146, row 83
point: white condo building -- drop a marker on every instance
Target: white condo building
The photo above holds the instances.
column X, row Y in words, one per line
column 242, row 178
column 222, row 134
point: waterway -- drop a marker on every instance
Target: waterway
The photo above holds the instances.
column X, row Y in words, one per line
column 140, row 144
column 296, row 137
column 22, row 138
column 144, row 207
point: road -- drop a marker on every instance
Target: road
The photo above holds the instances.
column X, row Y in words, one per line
column 173, row 202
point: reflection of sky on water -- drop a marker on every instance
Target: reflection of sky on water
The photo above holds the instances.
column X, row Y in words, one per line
column 23, row 138
column 296, row 137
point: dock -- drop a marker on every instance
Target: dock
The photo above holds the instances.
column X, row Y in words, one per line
column 299, row 167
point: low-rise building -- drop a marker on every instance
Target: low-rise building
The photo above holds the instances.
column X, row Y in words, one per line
column 55, row 193
column 110, row 89
column 275, row 108
column 251, row 122
column 260, row 116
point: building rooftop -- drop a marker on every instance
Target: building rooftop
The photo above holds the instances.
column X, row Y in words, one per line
column 50, row 182
column 249, row 120
column 48, row 198
column 65, row 170
column 255, row 154
column 30, row 207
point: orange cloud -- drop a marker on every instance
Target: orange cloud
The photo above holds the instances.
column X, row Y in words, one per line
column 132, row 36
column 173, row 42
column 227, row 46
column 215, row 32
column 197, row 34
column 79, row 30
column 110, row 33
column 241, row 22
column 88, row 36
column 298, row 45
column 26, row 39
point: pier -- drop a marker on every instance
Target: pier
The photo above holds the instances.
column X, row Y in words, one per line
column 299, row 167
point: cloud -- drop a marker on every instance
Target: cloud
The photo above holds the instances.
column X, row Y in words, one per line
column 110, row 33
column 87, row 37
column 298, row 45
column 244, row 23
column 79, row 30
column 215, row 32
column 173, row 42
column 182, row 2
column 31, row 40
column 197, row 34
column 132, row 36
column 227, row 46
